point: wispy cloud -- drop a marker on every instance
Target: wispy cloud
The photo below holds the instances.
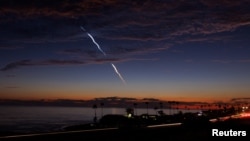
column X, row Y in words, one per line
column 244, row 61
column 10, row 75
column 189, row 60
column 56, row 62
column 7, row 47
column 15, row 65
column 147, row 26
column 150, row 99
column 224, row 61
column 23, row 63
column 137, row 21
column 221, row 61
column 242, row 100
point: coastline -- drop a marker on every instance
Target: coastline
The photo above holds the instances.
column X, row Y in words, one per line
column 178, row 132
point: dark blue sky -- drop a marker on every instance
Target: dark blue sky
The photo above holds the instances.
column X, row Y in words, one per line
column 164, row 49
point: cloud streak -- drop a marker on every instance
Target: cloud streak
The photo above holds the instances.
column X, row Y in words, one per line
column 55, row 62
column 15, row 65
column 141, row 27
column 137, row 21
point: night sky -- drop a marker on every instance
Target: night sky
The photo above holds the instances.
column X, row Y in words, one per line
column 165, row 49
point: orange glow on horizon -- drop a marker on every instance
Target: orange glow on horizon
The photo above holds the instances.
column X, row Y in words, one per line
column 100, row 93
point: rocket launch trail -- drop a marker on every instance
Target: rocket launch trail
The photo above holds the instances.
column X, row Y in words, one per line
column 117, row 72
column 93, row 40
column 100, row 49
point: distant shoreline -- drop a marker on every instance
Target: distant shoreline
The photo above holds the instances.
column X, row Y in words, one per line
column 174, row 132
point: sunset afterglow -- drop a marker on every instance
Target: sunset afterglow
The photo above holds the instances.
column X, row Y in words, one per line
column 182, row 51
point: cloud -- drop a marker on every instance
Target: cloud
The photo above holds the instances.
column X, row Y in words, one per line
column 243, row 98
column 60, row 62
column 231, row 61
column 121, row 20
column 156, row 21
column 189, row 60
column 15, row 65
column 87, row 53
column 128, row 27
column 9, row 47
column 150, row 99
column 221, row 61
column 22, row 63
column 115, row 99
column 56, row 62
column 206, row 38
column 10, row 75
column 244, row 61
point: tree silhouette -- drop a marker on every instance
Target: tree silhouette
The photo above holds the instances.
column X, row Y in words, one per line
column 95, row 107
column 170, row 106
column 147, row 106
column 129, row 111
column 209, row 107
column 161, row 108
column 102, row 104
column 156, row 108
column 135, row 106
column 219, row 106
column 201, row 106
column 177, row 106
column 161, row 105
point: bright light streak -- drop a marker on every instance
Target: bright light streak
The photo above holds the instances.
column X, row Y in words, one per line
column 117, row 72
column 57, row 133
column 91, row 37
column 100, row 49
column 164, row 125
column 245, row 115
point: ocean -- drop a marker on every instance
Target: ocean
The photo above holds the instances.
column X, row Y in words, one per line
column 23, row 119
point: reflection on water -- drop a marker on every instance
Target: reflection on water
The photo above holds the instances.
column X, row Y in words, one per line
column 41, row 119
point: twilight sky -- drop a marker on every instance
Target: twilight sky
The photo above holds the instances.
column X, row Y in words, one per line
column 166, row 49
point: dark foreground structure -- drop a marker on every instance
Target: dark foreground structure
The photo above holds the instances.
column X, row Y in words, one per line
column 177, row 132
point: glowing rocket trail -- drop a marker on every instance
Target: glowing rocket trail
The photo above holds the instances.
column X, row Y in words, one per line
column 94, row 41
column 117, row 72
column 114, row 67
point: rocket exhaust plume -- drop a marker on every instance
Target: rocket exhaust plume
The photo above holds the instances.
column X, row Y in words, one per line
column 117, row 72
column 100, row 49
column 93, row 40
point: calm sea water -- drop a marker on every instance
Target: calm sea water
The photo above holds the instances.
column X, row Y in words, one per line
column 46, row 119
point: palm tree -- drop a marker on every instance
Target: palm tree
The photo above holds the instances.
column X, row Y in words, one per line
column 130, row 112
column 102, row 104
column 169, row 103
column 161, row 108
column 161, row 105
column 147, row 106
column 174, row 107
column 201, row 106
column 95, row 107
column 209, row 107
column 185, row 107
column 156, row 108
column 177, row 106
column 135, row 106
column 219, row 106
